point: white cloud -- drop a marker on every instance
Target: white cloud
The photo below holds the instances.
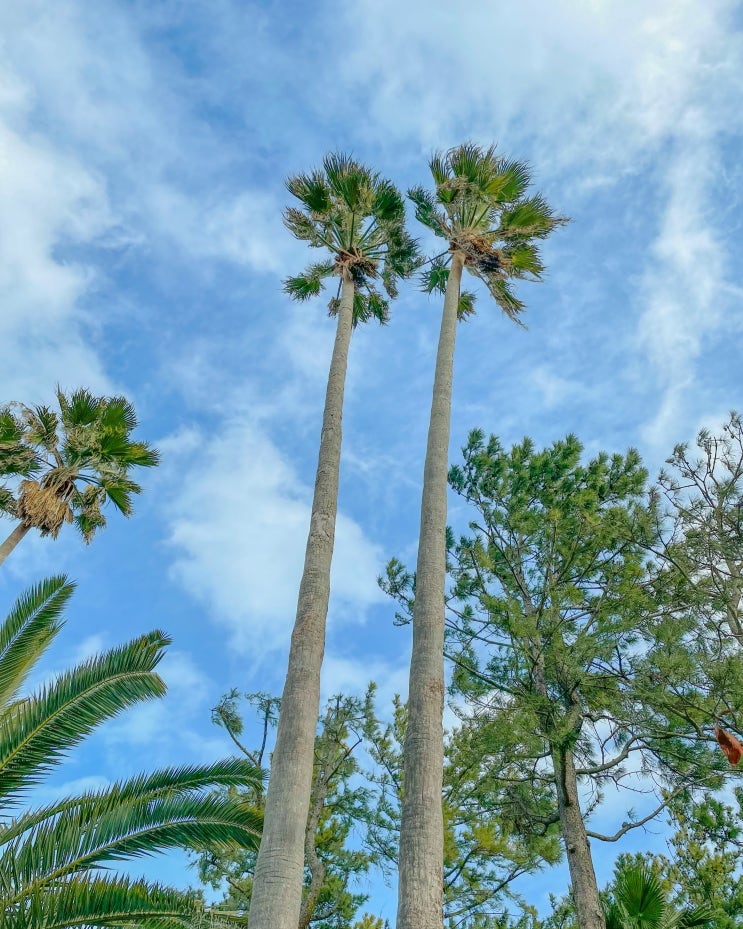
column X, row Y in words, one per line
column 352, row 676
column 686, row 294
column 238, row 525
column 46, row 199
column 594, row 94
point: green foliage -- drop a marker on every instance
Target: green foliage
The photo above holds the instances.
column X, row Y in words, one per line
column 483, row 855
column 51, row 857
column 565, row 648
column 359, row 218
column 639, row 899
column 70, row 462
column 480, row 207
column 339, row 804
column 703, row 549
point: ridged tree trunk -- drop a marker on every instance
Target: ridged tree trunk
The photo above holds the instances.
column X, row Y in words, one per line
column 582, row 876
column 277, row 880
column 13, row 539
column 421, row 873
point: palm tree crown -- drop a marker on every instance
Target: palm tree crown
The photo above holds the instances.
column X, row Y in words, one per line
column 52, row 857
column 359, row 218
column 641, row 902
column 71, row 462
column 480, row 206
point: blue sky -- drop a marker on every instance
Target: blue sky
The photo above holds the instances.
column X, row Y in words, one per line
column 143, row 148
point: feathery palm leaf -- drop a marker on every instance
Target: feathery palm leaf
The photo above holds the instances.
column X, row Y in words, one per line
column 115, row 902
column 29, row 628
column 37, row 732
column 50, row 856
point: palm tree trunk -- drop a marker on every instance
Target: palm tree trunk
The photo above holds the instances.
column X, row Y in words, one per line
column 421, row 877
column 277, row 880
column 582, row 876
column 13, row 539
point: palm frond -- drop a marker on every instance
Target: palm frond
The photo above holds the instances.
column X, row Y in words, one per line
column 82, row 840
column 304, row 227
column 427, row 212
column 523, row 260
column 17, row 457
column 472, row 163
column 466, row 306
column 387, row 205
column 509, row 182
column 104, row 901
column 310, row 283
column 28, row 629
column 529, row 218
column 436, row 275
column 42, row 427
column 504, row 297
column 36, row 733
column 141, row 789
column 312, row 190
column 349, row 180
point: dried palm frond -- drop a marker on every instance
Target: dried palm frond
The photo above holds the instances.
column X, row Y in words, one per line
column 45, row 508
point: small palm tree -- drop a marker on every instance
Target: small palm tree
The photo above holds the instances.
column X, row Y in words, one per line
column 71, row 463
column 358, row 219
column 55, row 860
column 492, row 229
column 641, row 902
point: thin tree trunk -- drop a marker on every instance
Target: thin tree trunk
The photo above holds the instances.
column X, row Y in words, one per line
column 421, row 875
column 582, row 876
column 277, row 880
column 13, row 539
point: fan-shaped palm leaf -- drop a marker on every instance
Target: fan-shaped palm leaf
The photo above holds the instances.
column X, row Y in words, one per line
column 72, row 463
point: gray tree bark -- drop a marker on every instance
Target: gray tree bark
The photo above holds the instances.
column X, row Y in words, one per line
column 582, row 876
column 277, row 880
column 13, row 539
column 421, row 868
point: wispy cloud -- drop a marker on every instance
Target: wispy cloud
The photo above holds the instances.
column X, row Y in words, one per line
column 238, row 529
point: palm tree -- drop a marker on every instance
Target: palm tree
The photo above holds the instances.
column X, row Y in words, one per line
column 70, row 462
column 55, row 860
column 358, row 219
column 641, row 902
column 491, row 228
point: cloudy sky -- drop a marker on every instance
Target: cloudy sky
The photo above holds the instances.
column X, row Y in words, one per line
column 143, row 149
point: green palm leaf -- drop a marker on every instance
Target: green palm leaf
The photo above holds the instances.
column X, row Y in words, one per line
column 29, row 628
column 359, row 218
column 115, row 902
column 36, row 733
column 50, row 856
column 480, row 207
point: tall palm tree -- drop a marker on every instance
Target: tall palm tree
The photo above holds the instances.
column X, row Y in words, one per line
column 55, row 860
column 70, row 462
column 492, row 228
column 358, row 219
column 641, row 902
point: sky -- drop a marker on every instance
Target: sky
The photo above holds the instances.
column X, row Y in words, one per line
column 143, row 151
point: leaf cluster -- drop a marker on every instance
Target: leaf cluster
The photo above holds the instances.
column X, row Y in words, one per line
column 358, row 217
column 52, row 857
column 72, row 461
column 480, row 204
